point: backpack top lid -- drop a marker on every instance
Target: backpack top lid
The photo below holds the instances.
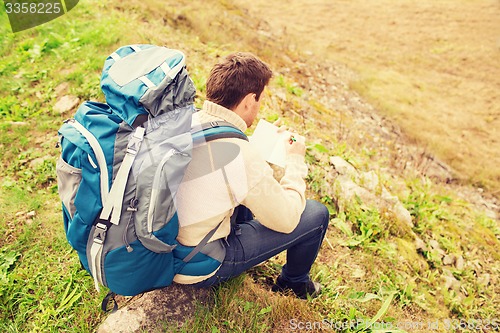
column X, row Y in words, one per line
column 146, row 79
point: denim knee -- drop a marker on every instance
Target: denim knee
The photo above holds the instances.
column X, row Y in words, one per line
column 321, row 213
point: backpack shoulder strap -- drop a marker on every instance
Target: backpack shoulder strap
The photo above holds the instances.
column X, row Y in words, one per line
column 217, row 130
column 208, row 132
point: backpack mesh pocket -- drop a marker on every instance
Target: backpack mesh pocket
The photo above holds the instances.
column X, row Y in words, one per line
column 68, row 181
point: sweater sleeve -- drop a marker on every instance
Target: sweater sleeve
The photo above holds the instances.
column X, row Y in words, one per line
column 279, row 205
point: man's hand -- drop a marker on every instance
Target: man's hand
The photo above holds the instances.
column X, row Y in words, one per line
column 295, row 143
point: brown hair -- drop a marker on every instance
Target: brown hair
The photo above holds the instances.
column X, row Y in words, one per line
column 238, row 75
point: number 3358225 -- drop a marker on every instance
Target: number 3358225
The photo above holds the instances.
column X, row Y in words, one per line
column 33, row 8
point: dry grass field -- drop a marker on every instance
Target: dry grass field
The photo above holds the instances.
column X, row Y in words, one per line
column 431, row 66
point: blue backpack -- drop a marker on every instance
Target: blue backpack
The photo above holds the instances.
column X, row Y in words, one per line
column 120, row 166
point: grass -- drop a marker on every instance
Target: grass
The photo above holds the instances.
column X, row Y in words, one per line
column 374, row 274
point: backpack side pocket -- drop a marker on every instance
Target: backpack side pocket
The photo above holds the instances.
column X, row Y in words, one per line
column 68, row 181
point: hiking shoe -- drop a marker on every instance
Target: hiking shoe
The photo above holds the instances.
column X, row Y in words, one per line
column 300, row 289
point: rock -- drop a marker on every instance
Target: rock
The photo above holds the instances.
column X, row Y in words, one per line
column 484, row 280
column 342, row 166
column 460, row 263
column 370, row 181
column 358, row 273
column 124, row 321
column 38, row 161
column 448, row 259
column 150, row 311
column 434, row 244
column 450, row 282
column 436, row 250
column 66, row 103
column 402, row 214
column 62, row 88
column 352, row 185
column 349, row 190
column 438, row 170
column 492, row 214
column 17, row 123
column 420, row 244
column 397, row 208
column 281, row 95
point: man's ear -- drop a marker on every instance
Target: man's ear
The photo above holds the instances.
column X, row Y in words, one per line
column 245, row 106
column 248, row 100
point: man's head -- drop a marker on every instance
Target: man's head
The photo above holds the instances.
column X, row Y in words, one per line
column 237, row 83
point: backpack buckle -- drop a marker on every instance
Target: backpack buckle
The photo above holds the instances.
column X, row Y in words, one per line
column 214, row 123
column 135, row 141
column 100, row 233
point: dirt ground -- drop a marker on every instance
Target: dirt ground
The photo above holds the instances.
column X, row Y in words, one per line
column 432, row 66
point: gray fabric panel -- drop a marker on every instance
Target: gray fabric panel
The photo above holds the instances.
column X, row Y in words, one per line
column 123, row 233
column 133, row 66
column 117, row 235
column 121, row 142
column 89, row 257
column 68, row 181
column 169, row 94
column 166, row 186
column 170, row 124
column 215, row 250
column 156, row 145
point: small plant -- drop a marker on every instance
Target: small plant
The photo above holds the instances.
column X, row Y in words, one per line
column 365, row 224
column 7, row 260
column 291, row 88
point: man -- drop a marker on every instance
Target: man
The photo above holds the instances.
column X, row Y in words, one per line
column 228, row 174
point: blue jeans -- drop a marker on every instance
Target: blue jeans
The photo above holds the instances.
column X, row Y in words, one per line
column 250, row 243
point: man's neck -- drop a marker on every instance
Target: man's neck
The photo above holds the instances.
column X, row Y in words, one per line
column 223, row 113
